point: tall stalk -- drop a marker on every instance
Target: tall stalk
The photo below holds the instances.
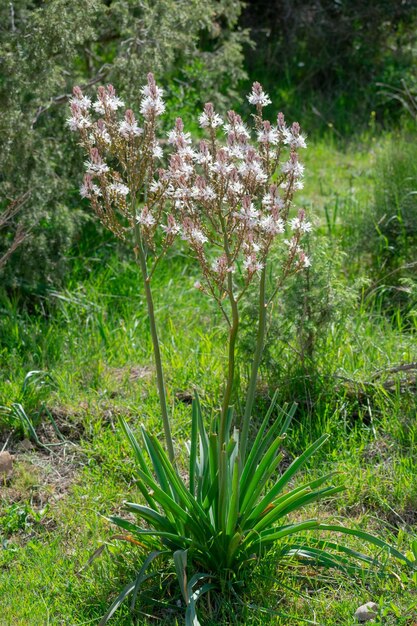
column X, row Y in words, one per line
column 260, row 342
column 232, row 340
column 141, row 259
column 231, row 364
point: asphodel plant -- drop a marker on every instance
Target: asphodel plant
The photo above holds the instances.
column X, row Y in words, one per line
column 231, row 199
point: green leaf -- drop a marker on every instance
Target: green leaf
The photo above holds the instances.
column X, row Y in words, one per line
column 135, row 446
column 368, row 538
column 234, row 500
column 288, row 474
column 153, row 517
column 260, row 509
column 124, row 593
column 141, row 575
column 271, row 535
column 157, row 465
column 253, row 488
column 180, row 562
column 193, row 446
column 260, row 444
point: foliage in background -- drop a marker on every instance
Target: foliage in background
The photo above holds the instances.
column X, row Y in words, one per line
column 45, row 48
column 388, row 231
column 309, row 311
column 325, row 58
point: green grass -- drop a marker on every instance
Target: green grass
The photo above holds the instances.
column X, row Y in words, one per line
column 93, row 339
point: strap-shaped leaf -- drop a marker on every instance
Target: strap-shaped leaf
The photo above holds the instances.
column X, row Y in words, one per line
column 261, row 443
column 180, row 563
column 370, row 539
column 200, row 522
column 292, row 503
column 135, row 446
column 153, row 517
column 271, row 535
column 260, row 509
column 254, row 486
column 157, row 466
column 142, row 575
column 234, row 501
column 290, row 472
column 193, row 446
column 120, row 598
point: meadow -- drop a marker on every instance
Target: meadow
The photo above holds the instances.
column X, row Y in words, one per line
column 90, row 345
column 270, row 481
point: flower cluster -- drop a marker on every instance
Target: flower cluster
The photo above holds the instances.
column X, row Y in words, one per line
column 235, row 195
column 230, row 196
column 122, row 159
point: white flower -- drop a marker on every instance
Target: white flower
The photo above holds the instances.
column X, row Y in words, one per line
column 295, row 141
column 237, row 150
column 206, row 193
column 172, row 228
column 293, row 167
column 299, row 224
column 203, row 158
column 238, row 129
column 221, row 167
column 253, row 168
column 271, row 226
column 112, row 103
column 258, row 96
column 127, row 129
column 89, row 189
column 152, row 91
column 212, row 121
column 175, row 136
column 119, row 189
column 297, row 185
column 236, row 187
column 268, row 136
column 101, row 133
column 152, row 106
column 306, row 261
column 249, row 215
column 292, row 245
column 251, row 265
column 157, row 152
column 197, row 236
column 78, row 122
column 155, row 186
column 84, row 102
column 96, row 168
column 145, row 218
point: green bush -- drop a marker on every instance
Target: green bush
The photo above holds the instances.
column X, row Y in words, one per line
column 325, row 58
column 298, row 358
column 388, row 233
column 46, row 48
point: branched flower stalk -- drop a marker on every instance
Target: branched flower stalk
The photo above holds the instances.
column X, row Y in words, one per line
column 232, row 197
column 121, row 169
column 232, row 200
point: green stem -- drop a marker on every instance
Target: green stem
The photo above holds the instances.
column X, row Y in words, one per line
column 232, row 338
column 141, row 258
column 260, row 341
column 231, row 360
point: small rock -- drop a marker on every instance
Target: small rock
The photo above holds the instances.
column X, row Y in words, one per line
column 366, row 612
column 6, row 463
column 26, row 445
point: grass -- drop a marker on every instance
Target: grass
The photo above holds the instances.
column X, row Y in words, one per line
column 92, row 338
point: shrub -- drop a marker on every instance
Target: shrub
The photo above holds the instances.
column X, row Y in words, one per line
column 389, row 231
column 44, row 49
